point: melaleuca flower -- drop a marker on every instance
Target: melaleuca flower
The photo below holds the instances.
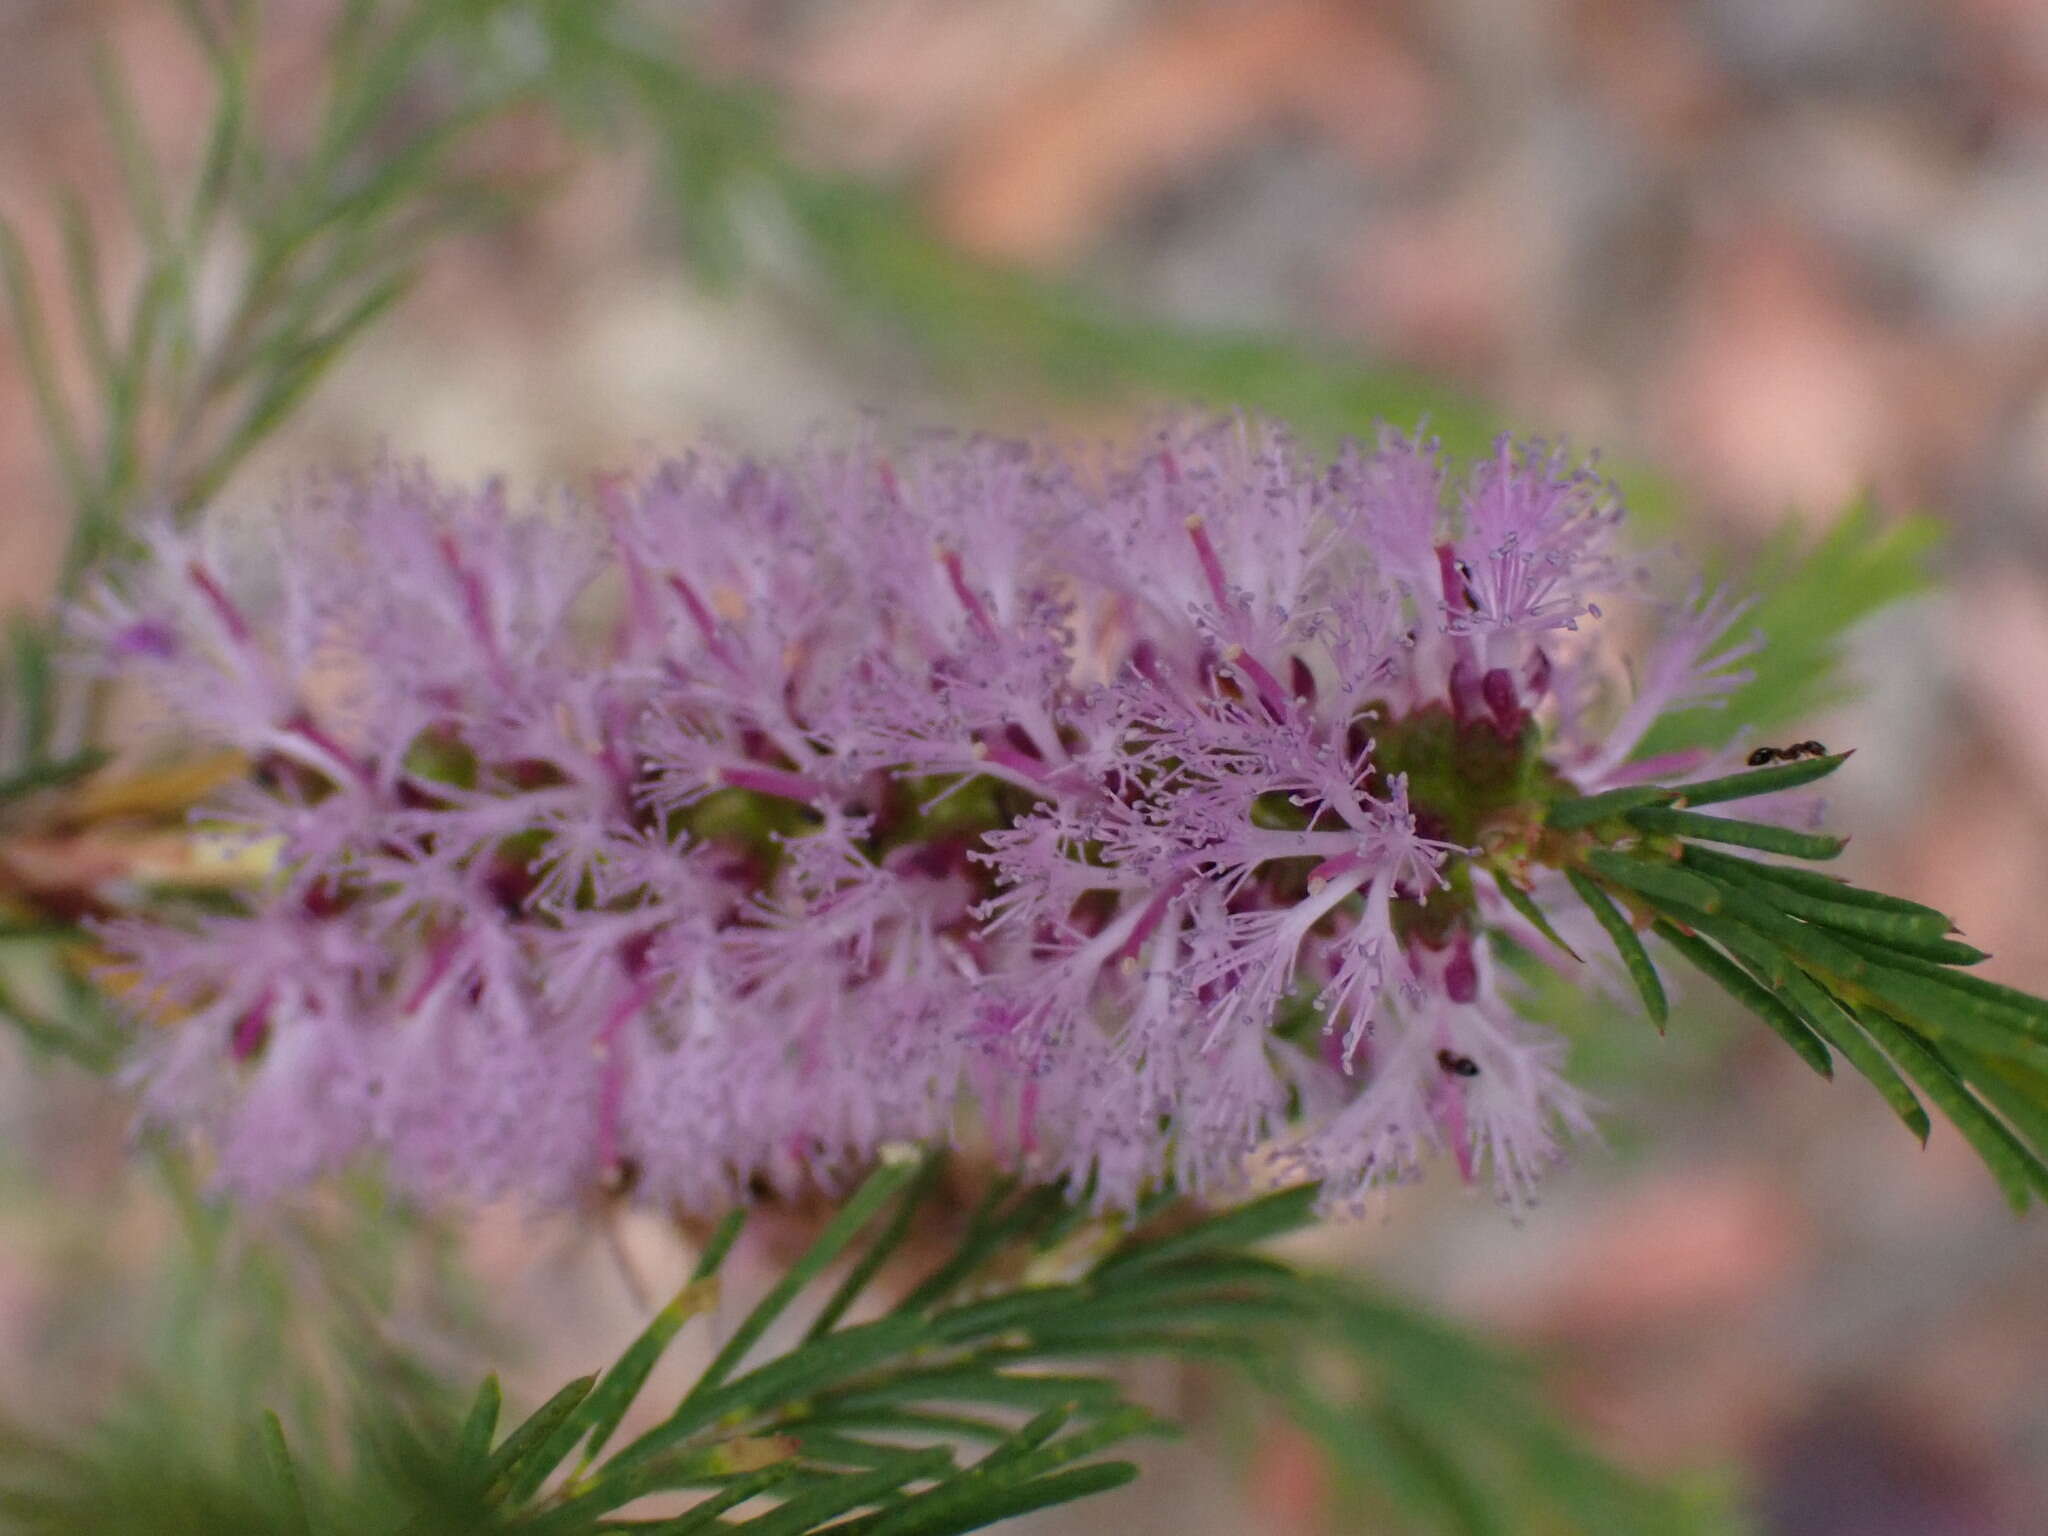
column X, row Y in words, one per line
column 1131, row 815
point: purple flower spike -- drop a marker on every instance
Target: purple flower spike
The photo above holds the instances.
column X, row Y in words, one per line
column 1114, row 814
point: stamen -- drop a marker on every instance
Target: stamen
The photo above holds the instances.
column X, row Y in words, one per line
column 1212, row 567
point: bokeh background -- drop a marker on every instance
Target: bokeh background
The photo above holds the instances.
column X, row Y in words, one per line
column 1782, row 253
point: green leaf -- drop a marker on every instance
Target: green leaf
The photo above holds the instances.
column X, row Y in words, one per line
column 516, row 1464
column 32, row 339
column 286, row 1475
column 1918, row 933
column 878, row 1252
column 34, row 693
column 1834, row 889
column 289, row 384
column 1655, row 878
column 1942, row 1011
column 226, row 142
column 88, row 305
column 1750, row 993
column 2019, row 1172
column 1843, row 1029
column 1633, row 956
column 1760, row 781
column 480, row 1424
column 881, row 1187
column 723, row 1236
column 1255, row 1221
column 982, row 1384
column 704, row 1516
column 1008, row 1501
column 140, row 178
column 970, row 1493
column 989, row 1227
column 2018, row 1010
column 1531, row 914
column 599, row 1413
column 1587, row 810
column 1744, row 834
column 51, row 774
column 2017, row 1092
column 830, row 1498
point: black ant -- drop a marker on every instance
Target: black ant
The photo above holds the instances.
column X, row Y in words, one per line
column 1456, row 1065
column 1790, row 754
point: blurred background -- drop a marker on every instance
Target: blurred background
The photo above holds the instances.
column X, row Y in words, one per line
column 1766, row 255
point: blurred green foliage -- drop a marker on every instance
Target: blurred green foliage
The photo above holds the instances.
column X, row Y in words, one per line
column 941, row 1406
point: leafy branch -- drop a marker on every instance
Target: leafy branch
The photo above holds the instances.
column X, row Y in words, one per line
column 948, row 1403
column 1830, row 967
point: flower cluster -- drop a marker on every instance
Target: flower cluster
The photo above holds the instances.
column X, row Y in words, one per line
column 1130, row 813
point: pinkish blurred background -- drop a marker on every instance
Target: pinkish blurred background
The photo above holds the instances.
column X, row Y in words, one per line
column 1781, row 250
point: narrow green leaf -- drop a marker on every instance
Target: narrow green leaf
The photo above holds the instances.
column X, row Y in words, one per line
column 1531, row 914
column 1945, row 1012
column 1255, row 1221
column 878, row 1252
column 704, row 1516
column 1361, row 1450
column 1041, row 1427
column 154, row 301
column 2021, row 1010
column 1180, row 1343
column 921, row 1422
column 1749, row 992
column 2018, row 1171
column 1935, row 951
column 32, row 338
column 2019, row 1093
column 480, row 1424
column 1759, row 781
column 816, row 1368
column 1920, row 934
column 1743, row 834
column 225, row 140
column 1837, row 891
column 601, row 1411
column 824, row 1502
column 723, row 1236
column 51, row 775
column 979, row 1384
column 1032, row 1455
column 291, row 384
column 1470, row 1506
column 1585, row 810
column 1228, row 1317
column 1804, row 941
column 989, row 1228
column 825, row 1447
column 1633, row 956
column 140, row 178
column 1937, row 1009
column 508, row 1465
column 88, row 304
column 881, row 1187
column 1842, row 1029
column 277, row 1452
column 1009, row 1501
column 1657, row 879
column 34, row 686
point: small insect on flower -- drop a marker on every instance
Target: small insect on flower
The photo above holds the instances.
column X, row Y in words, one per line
column 1791, row 754
column 1456, row 1065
